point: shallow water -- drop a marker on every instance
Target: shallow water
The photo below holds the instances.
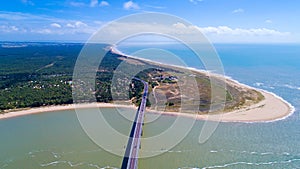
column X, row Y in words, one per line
column 56, row 140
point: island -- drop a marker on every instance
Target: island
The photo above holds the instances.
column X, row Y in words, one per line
column 37, row 77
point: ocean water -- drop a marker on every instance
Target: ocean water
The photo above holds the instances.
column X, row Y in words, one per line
column 56, row 140
column 275, row 68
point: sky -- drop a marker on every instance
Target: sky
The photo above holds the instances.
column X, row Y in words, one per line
column 221, row 21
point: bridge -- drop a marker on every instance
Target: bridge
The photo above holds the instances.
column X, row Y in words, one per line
column 130, row 159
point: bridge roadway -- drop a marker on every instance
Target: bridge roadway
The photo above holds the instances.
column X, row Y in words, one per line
column 130, row 159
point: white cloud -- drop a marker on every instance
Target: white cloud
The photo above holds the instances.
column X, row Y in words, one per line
column 14, row 23
column 8, row 29
column 70, row 25
column 250, row 35
column 191, row 32
column 77, row 4
column 27, row 2
column 80, row 27
column 73, row 28
column 130, row 5
column 155, row 7
column 76, row 24
column 179, row 25
column 94, row 3
column 225, row 30
column 80, row 24
column 182, row 29
column 39, row 24
column 55, row 25
column 14, row 28
column 11, row 16
column 42, row 31
column 240, row 10
column 20, row 16
column 268, row 21
column 104, row 3
column 195, row 1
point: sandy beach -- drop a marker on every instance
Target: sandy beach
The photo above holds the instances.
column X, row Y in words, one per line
column 60, row 108
column 272, row 108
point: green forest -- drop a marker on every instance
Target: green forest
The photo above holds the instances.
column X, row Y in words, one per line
column 40, row 74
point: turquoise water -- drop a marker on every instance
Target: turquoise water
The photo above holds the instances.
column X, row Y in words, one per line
column 56, row 140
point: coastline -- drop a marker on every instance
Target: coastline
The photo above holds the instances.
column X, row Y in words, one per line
column 251, row 114
column 23, row 112
column 272, row 108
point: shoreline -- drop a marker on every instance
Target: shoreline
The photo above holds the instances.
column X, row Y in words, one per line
column 56, row 108
column 273, row 105
column 257, row 113
column 276, row 100
column 272, row 108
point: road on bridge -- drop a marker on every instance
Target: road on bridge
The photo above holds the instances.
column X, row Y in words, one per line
column 132, row 150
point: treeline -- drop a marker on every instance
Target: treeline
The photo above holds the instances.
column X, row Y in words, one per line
column 36, row 93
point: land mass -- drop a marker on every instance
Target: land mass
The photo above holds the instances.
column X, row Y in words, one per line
column 46, row 86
